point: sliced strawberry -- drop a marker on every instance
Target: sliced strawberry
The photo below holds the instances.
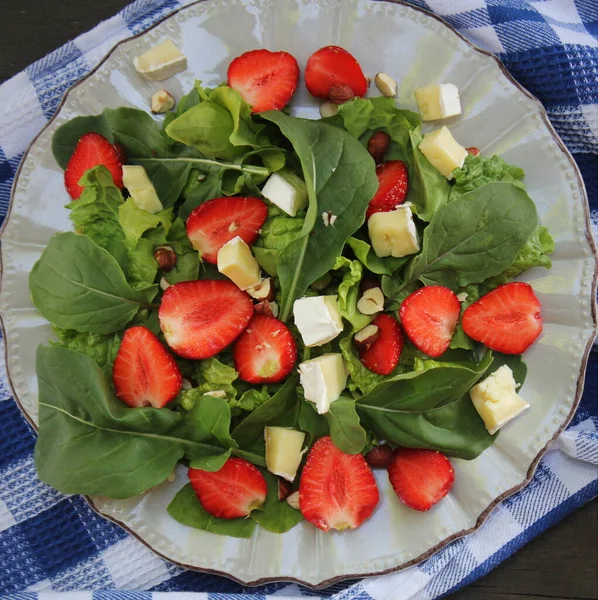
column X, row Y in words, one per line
column 200, row 318
column 218, row 221
column 383, row 355
column 393, row 182
column 420, row 478
column 265, row 352
column 337, row 490
column 91, row 150
column 233, row 491
column 144, row 373
column 266, row 80
column 506, row 320
column 429, row 318
column 333, row 65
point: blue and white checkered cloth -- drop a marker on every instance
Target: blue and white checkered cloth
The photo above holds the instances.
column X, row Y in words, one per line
column 50, row 542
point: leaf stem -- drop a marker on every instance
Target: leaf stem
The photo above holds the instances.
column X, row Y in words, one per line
column 256, row 459
column 249, row 169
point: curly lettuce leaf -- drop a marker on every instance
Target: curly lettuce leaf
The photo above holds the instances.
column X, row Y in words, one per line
column 135, row 222
column 348, row 292
column 360, row 378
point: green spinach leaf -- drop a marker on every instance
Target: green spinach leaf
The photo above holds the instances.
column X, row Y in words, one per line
column 365, row 254
column 276, row 515
column 345, row 429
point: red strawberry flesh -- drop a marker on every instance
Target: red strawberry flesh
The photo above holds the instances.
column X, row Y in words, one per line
column 233, row 491
column 383, row 355
column 201, row 318
column 337, row 490
column 266, row 80
column 507, row 319
column 216, row 222
column 393, row 182
column 144, row 372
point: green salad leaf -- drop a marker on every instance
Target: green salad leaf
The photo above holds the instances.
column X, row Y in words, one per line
column 348, row 292
column 366, row 255
column 276, row 515
column 187, row 264
column 360, row 377
column 345, row 429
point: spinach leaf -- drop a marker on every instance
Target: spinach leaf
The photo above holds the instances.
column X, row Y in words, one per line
column 476, row 237
column 429, row 408
column 312, row 423
column 345, row 429
column 186, row 509
column 514, row 362
column 340, row 177
column 211, row 463
column 365, row 254
column 78, row 285
column 276, row 515
column 201, row 190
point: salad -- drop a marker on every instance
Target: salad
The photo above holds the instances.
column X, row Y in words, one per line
column 281, row 304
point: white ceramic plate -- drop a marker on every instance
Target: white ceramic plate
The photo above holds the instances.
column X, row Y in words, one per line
column 498, row 117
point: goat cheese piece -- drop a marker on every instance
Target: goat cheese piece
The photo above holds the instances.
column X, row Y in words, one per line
column 236, row 261
column 318, row 319
column 443, row 151
column 393, row 233
column 438, row 101
column 323, row 380
column 161, row 61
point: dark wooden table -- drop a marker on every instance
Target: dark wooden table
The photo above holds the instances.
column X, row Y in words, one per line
column 562, row 563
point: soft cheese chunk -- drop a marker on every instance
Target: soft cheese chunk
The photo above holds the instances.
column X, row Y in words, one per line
column 141, row 188
column 443, row 151
column 323, row 380
column 496, row 400
column 318, row 319
column 161, row 61
column 438, row 101
column 393, row 233
column 236, row 261
column 283, row 451
column 287, row 191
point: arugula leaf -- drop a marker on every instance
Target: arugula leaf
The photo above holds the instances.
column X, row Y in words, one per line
column 348, row 292
column 345, row 429
column 475, row 237
column 77, row 285
column 366, row 255
column 276, row 515
column 186, row 509
column 340, row 177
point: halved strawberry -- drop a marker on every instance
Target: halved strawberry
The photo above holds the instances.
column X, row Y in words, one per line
column 200, row 318
column 337, row 490
column 144, row 373
column 420, row 478
column 92, row 150
column 265, row 352
column 218, row 221
column 383, row 355
column 266, row 80
column 233, row 491
column 393, row 182
column 429, row 318
column 506, row 320
column 333, row 65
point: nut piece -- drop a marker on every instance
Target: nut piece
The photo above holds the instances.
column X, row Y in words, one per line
column 186, row 384
column 386, row 85
column 379, row 457
column 473, row 150
column 161, row 102
column 216, row 394
column 371, row 302
column 293, row 500
column 328, row 218
column 165, row 257
column 284, row 489
column 328, row 109
column 340, row 93
column 365, row 337
column 462, row 296
column 264, row 290
column 378, row 145
column 265, row 307
column 164, row 285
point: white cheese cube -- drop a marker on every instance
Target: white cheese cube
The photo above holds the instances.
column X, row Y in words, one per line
column 285, row 190
column 161, row 61
column 236, row 261
column 496, row 400
column 323, row 380
column 393, row 233
column 141, row 188
column 318, row 319
column 443, row 151
column 438, row 101
column 283, row 451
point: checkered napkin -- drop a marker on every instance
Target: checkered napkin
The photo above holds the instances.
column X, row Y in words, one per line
column 49, row 542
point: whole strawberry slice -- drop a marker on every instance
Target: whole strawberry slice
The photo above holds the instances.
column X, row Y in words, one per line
column 393, row 182
column 429, row 318
column 383, row 355
column 506, row 320
column 266, row 80
column 265, row 352
column 337, row 490
column 420, row 478
column 91, row 151
column 233, row 491
column 201, row 318
column 144, row 373
column 333, row 66
column 218, row 221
